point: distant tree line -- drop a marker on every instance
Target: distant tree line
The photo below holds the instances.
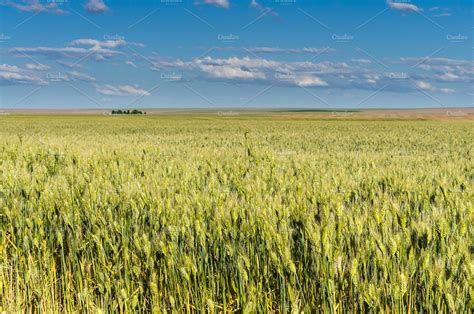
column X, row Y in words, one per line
column 134, row 111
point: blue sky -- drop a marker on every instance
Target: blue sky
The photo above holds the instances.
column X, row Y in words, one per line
column 229, row 53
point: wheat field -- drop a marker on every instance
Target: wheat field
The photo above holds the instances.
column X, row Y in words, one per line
column 235, row 214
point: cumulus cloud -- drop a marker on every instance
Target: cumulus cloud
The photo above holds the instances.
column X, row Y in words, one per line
column 359, row 74
column 111, row 44
column 218, row 3
column 13, row 75
column 426, row 86
column 98, row 43
column 34, row 6
column 36, row 74
column 229, row 72
column 96, row 6
column 403, row 6
column 9, row 68
column 444, row 69
column 253, row 64
column 303, row 74
column 309, row 81
column 122, row 90
column 423, row 85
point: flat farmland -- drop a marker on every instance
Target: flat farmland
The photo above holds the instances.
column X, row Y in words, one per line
column 237, row 212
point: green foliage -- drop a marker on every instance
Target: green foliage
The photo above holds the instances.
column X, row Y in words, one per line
column 231, row 214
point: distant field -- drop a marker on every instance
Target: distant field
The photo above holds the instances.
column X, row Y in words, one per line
column 236, row 211
column 338, row 114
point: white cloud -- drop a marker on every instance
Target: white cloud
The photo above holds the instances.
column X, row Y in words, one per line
column 264, row 10
column 13, row 75
column 448, row 77
column 9, row 68
column 426, row 86
column 111, row 44
column 25, row 6
column 310, row 81
column 35, row 74
column 34, row 6
column 37, row 67
column 423, row 85
column 303, row 74
column 131, row 63
column 80, row 49
column 97, row 43
column 361, row 61
column 96, row 6
column 437, row 61
column 358, row 74
column 78, row 76
column 403, row 6
column 444, row 69
column 122, row 90
column 11, row 78
column 65, row 52
column 218, row 3
column 229, row 72
column 310, row 50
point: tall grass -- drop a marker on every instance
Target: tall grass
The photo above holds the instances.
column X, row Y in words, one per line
column 130, row 214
